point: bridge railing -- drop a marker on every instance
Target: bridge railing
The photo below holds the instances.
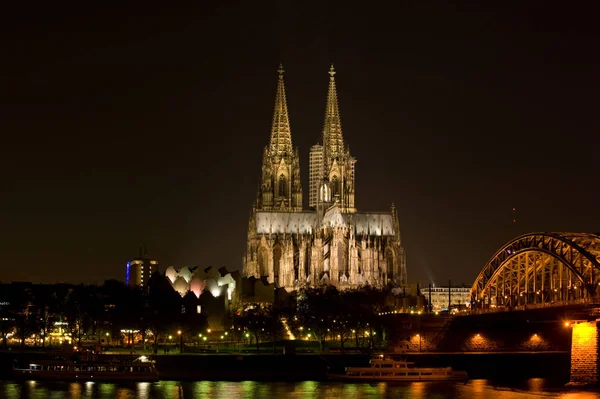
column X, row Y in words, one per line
column 552, row 304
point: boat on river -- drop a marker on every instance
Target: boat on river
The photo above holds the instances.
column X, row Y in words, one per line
column 140, row 369
column 388, row 369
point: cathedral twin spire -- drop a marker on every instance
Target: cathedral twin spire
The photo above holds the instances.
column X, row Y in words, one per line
column 281, row 187
column 281, row 134
column 333, row 141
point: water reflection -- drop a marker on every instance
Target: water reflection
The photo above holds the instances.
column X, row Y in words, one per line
column 143, row 389
column 107, row 391
column 477, row 389
column 89, row 387
column 75, row 389
column 418, row 389
column 536, row 384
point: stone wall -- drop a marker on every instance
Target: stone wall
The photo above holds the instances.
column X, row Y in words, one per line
column 481, row 343
column 584, row 353
column 506, row 332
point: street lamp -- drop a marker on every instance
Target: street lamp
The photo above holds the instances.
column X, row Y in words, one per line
column 180, row 341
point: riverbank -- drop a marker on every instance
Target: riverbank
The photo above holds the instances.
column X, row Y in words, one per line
column 278, row 367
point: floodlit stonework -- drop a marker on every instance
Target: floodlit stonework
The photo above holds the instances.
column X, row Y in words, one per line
column 332, row 243
column 584, row 353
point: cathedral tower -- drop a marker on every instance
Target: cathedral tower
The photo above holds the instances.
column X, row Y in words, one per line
column 280, row 188
column 337, row 168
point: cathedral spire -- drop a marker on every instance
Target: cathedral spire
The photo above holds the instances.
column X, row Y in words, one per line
column 281, row 134
column 333, row 141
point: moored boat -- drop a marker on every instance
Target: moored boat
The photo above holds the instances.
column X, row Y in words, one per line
column 140, row 369
column 388, row 369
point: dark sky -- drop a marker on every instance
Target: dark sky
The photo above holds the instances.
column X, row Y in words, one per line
column 146, row 124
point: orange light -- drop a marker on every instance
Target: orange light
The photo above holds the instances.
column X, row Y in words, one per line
column 583, row 333
column 567, row 324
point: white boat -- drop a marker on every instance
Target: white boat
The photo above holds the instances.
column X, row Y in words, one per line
column 387, row 369
column 140, row 369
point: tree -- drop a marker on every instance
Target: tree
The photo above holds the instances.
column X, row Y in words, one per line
column 6, row 324
column 342, row 310
column 48, row 307
column 24, row 319
column 315, row 312
column 254, row 320
column 120, row 304
column 273, row 324
column 164, row 306
column 367, row 302
column 10, row 306
column 82, row 310
column 191, row 323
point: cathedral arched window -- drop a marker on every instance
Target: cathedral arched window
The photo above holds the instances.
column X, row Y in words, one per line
column 335, row 187
column 277, row 253
column 389, row 260
column 296, row 263
column 282, row 186
column 307, row 262
column 343, row 259
column 324, row 193
column 263, row 261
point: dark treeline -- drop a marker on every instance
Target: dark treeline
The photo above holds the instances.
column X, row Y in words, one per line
column 321, row 314
column 41, row 314
column 113, row 313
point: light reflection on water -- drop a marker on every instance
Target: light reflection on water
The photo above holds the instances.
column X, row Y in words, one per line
column 476, row 389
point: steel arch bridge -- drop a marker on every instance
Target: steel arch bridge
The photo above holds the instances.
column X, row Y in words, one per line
column 546, row 269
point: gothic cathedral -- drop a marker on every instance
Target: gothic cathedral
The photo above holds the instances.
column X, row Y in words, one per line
column 331, row 242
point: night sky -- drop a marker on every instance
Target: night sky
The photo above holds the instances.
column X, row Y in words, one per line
column 146, row 124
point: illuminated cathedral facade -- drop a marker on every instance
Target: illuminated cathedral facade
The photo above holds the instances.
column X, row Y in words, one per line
column 331, row 242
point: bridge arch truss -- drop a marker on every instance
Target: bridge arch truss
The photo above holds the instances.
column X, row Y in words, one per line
column 540, row 268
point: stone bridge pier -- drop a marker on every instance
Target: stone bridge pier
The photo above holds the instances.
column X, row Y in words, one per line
column 584, row 353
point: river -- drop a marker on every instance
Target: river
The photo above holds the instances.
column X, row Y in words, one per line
column 476, row 389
